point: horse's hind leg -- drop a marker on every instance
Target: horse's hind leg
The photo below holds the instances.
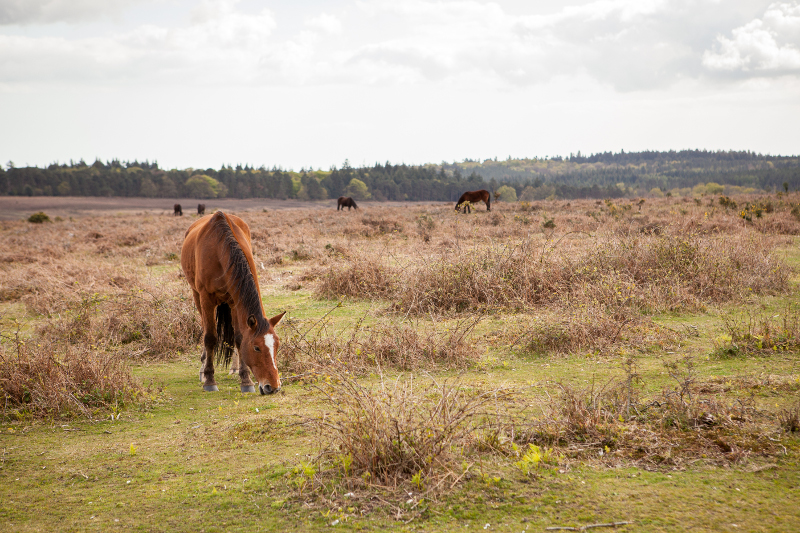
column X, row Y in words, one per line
column 209, row 343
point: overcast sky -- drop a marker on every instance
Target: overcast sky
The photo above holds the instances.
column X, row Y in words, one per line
column 308, row 82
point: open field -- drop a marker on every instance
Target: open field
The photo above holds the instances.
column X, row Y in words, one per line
column 19, row 207
column 546, row 364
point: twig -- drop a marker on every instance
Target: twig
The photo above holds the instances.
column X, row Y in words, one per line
column 589, row 526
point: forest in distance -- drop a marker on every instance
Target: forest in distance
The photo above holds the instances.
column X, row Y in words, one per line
column 602, row 175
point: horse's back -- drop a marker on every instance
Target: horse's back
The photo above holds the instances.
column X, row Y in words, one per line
column 202, row 250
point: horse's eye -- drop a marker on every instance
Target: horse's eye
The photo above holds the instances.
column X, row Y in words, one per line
column 256, row 348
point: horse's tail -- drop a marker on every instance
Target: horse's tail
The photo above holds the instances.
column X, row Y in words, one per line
column 225, row 334
column 489, row 202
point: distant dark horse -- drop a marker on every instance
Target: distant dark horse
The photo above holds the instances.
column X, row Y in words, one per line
column 474, row 197
column 201, row 209
column 345, row 201
column 178, row 210
column 217, row 261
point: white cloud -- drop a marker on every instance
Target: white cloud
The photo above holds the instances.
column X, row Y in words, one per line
column 625, row 44
column 769, row 45
column 325, row 23
column 221, row 45
column 25, row 12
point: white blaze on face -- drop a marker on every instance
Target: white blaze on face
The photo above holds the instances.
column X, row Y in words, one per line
column 269, row 340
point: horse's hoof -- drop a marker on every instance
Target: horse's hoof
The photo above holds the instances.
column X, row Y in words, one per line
column 210, row 388
column 248, row 388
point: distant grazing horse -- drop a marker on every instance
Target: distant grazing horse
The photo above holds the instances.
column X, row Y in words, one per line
column 201, row 209
column 473, row 197
column 346, row 201
column 178, row 211
column 217, row 260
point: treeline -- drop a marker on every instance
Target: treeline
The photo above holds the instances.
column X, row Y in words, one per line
column 603, row 175
column 638, row 173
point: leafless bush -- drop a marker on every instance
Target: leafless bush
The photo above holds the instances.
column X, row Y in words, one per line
column 362, row 277
column 388, row 344
column 789, row 418
column 148, row 322
column 403, row 431
column 645, row 273
column 42, row 378
column 408, row 346
column 584, row 327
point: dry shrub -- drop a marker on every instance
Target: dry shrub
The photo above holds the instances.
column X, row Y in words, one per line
column 789, row 418
column 362, row 277
column 42, row 378
column 408, row 346
column 388, row 344
column 650, row 274
column 589, row 328
column 150, row 323
column 382, row 224
column 614, row 424
column 403, row 431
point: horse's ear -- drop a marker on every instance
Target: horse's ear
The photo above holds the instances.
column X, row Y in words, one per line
column 252, row 322
column 276, row 319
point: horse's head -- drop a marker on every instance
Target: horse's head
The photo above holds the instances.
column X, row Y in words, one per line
column 258, row 351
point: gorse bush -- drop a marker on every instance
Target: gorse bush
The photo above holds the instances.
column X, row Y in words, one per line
column 38, row 218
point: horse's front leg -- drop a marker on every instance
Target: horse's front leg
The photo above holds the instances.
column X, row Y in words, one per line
column 242, row 369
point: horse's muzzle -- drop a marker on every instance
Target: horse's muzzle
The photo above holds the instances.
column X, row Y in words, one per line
column 267, row 389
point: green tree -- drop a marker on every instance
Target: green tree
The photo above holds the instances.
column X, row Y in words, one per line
column 202, row 186
column 147, row 189
column 506, row 194
column 358, row 190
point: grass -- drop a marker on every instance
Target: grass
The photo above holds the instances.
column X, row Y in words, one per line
column 711, row 447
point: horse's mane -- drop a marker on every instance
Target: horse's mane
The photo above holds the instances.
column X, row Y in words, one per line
column 240, row 277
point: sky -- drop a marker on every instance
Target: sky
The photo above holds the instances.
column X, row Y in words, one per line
column 311, row 83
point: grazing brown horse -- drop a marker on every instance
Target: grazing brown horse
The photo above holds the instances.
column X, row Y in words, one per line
column 201, row 209
column 217, row 260
column 178, row 212
column 474, row 197
column 345, row 201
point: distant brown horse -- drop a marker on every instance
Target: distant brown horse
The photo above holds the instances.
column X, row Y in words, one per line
column 217, row 260
column 201, row 209
column 178, row 212
column 345, row 201
column 474, row 197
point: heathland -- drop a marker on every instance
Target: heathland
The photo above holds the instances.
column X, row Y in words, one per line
column 547, row 363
